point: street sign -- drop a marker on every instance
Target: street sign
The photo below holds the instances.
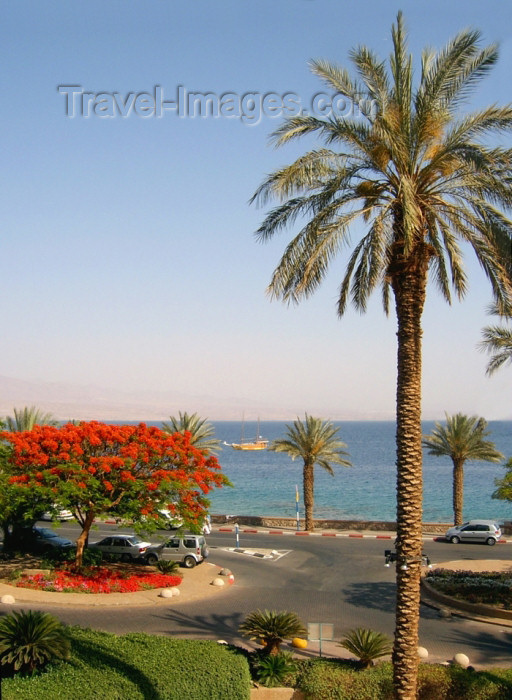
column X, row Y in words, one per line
column 320, row 632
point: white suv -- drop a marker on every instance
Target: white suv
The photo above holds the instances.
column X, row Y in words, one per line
column 484, row 531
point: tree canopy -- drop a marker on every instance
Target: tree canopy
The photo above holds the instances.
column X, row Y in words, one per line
column 129, row 471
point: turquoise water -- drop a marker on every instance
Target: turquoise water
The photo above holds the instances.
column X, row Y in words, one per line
column 264, row 482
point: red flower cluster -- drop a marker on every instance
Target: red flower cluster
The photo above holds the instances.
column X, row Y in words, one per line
column 97, row 580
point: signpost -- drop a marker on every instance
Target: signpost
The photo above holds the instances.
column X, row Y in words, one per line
column 320, row 631
column 297, row 506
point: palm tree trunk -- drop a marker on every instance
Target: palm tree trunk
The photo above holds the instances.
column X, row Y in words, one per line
column 458, row 490
column 409, row 287
column 309, row 489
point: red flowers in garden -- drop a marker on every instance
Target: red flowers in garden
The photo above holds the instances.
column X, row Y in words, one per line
column 97, row 580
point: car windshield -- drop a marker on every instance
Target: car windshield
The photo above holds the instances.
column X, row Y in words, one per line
column 135, row 539
column 45, row 532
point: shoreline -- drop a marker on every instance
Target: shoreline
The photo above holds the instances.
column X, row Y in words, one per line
column 288, row 523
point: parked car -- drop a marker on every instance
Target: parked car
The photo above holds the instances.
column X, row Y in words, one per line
column 188, row 549
column 43, row 539
column 57, row 515
column 125, row 547
column 484, row 531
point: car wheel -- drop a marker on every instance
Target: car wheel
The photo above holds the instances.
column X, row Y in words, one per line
column 189, row 562
column 490, row 541
column 151, row 559
column 126, row 558
column 455, row 539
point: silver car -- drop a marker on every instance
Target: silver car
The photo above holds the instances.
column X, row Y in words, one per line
column 125, row 547
column 189, row 550
column 484, row 531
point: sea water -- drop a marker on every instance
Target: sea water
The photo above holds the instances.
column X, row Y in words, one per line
column 264, row 482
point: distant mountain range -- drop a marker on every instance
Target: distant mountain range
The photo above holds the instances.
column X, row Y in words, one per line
column 89, row 402
column 70, row 401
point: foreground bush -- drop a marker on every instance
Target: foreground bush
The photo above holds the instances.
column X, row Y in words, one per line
column 137, row 667
column 29, row 640
column 338, row 680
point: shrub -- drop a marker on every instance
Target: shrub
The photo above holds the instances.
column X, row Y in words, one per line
column 366, row 645
column 168, row 567
column 271, row 628
column 272, row 670
column 29, row 639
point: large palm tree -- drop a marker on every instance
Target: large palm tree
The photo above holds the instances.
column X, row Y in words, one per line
column 497, row 341
column 461, row 439
column 201, row 432
column 26, row 418
column 419, row 180
column 317, row 443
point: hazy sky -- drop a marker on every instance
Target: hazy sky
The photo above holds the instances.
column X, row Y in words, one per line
column 128, row 255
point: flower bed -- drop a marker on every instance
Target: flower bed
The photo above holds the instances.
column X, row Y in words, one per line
column 486, row 587
column 97, row 580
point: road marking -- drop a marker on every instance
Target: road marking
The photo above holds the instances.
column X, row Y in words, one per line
column 272, row 554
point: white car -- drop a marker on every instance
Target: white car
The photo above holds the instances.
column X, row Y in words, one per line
column 58, row 515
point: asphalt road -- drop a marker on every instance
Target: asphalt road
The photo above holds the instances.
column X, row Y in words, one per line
column 324, row 579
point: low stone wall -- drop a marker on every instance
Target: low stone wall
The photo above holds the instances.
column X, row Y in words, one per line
column 291, row 523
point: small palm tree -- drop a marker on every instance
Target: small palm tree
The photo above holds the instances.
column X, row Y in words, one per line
column 497, row 341
column 272, row 670
column 29, row 639
column 201, row 432
column 27, row 417
column 271, row 628
column 462, row 438
column 367, row 645
column 317, row 443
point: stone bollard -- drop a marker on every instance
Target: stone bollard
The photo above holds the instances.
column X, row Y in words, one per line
column 461, row 660
column 7, row 599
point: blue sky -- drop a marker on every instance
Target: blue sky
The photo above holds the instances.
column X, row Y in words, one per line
column 128, row 255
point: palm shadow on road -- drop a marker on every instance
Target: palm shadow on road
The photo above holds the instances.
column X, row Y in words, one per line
column 218, row 626
column 379, row 595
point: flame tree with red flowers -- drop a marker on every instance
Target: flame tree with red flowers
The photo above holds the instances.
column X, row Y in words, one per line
column 128, row 471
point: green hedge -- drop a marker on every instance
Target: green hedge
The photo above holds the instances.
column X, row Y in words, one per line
column 335, row 680
column 137, row 666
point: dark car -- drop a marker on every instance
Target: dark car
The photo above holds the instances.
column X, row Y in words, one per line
column 43, row 539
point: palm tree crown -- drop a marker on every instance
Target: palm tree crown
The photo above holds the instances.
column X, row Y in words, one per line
column 317, row 443
column 201, row 432
column 421, row 181
column 497, row 341
column 27, row 417
column 271, row 627
column 461, row 439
